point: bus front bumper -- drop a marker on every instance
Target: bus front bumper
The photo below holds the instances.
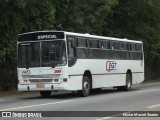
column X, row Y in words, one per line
column 42, row 87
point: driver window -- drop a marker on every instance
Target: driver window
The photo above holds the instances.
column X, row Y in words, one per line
column 70, row 51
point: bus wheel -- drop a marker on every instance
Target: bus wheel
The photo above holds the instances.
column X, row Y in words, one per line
column 45, row 94
column 128, row 85
column 128, row 82
column 86, row 87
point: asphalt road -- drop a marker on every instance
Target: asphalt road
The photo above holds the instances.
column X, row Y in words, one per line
column 142, row 97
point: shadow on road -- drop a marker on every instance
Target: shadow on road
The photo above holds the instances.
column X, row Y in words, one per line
column 69, row 95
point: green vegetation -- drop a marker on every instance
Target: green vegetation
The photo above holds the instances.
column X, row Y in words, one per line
column 132, row 19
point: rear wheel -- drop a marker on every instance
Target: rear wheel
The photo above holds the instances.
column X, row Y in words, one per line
column 128, row 82
column 128, row 85
column 86, row 87
column 45, row 94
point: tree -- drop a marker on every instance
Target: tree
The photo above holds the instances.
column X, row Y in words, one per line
column 139, row 20
column 85, row 16
column 19, row 16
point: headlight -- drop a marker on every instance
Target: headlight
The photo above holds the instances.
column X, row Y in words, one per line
column 23, row 81
column 60, row 80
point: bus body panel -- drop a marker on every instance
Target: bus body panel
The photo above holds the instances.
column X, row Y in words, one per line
column 103, row 78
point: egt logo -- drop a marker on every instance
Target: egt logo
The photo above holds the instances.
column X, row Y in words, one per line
column 111, row 65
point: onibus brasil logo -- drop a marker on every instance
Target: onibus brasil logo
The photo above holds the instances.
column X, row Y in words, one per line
column 111, row 65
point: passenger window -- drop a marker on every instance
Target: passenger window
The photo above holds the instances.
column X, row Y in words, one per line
column 118, row 45
column 113, row 45
column 105, row 44
column 138, row 47
column 82, row 42
column 133, row 47
column 94, row 44
column 123, row 46
column 129, row 47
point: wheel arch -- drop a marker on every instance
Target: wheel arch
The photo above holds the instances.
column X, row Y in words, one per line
column 130, row 72
column 89, row 75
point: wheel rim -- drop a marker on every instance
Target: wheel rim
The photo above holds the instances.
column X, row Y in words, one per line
column 128, row 81
column 129, row 84
column 86, row 87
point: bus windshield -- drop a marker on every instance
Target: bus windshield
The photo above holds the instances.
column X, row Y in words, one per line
column 41, row 54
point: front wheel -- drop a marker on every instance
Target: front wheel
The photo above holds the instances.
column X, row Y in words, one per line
column 45, row 94
column 86, row 87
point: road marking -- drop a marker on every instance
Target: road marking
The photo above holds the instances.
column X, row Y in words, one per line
column 105, row 118
column 154, row 106
column 37, row 105
column 147, row 90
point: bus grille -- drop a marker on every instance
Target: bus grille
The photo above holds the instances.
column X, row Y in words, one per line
column 40, row 80
column 38, row 76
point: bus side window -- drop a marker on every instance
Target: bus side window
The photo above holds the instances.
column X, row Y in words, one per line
column 108, row 45
column 71, row 54
column 105, row 45
column 82, row 42
column 118, row 46
column 123, row 46
column 138, row 47
column 129, row 47
column 70, row 50
column 133, row 47
column 113, row 45
column 94, row 43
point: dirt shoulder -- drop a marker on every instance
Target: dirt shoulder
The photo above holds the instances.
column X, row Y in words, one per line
column 14, row 92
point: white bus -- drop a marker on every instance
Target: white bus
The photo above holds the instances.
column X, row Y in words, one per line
column 58, row 60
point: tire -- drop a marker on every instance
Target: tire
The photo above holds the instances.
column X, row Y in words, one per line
column 128, row 85
column 86, row 87
column 128, row 82
column 45, row 94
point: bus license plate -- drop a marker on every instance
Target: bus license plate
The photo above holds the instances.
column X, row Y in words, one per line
column 40, row 86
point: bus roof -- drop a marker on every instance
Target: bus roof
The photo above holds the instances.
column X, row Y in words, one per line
column 85, row 35
column 102, row 37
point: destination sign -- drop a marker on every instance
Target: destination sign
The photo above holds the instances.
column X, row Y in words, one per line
column 41, row 36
